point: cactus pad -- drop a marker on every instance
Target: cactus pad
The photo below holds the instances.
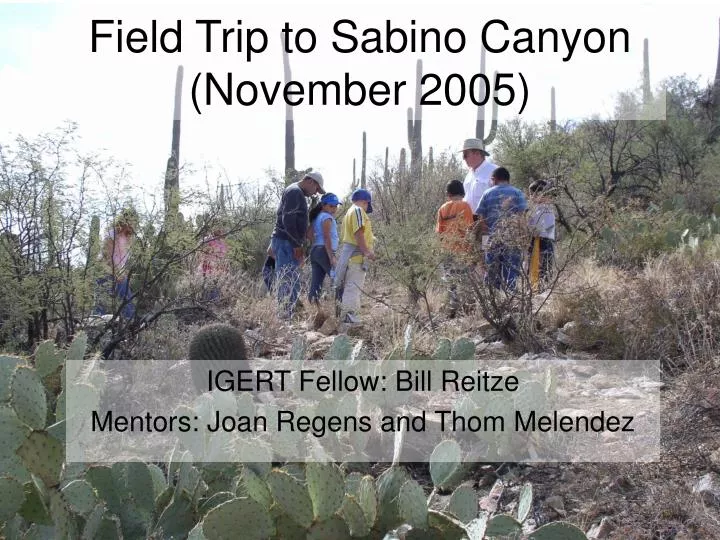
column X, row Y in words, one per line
column 388, row 486
column 327, row 488
column 256, row 488
column 367, row 498
column 502, row 525
column 445, row 463
column 12, row 497
column 13, row 432
column 80, row 496
column 525, row 502
column 292, row 497
column 463, row 504
column 43, row 455
column 77, row 348
column 65, row 526
column 450, row 527
column 355, row 518
column 28, row 397
column 47, row 358
column 7, row 367
column 237, row 518
column 462, row 349
column 559, row 530
column 476, row 528
column 412, row 504
column 215, row 500
column 332, row 529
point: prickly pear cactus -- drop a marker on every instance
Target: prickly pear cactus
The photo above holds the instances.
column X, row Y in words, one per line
column 327, row 488
column 446, row 464
column 28, row 397
column 558, row 530
column 241, row 517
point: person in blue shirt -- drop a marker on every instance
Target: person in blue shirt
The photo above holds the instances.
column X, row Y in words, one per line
column 324, row 239
column 499, row 204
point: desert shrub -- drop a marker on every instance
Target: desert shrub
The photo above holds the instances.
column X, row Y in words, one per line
column 666, row 311
column 632, row 236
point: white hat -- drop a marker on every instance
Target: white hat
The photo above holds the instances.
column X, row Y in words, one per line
column 318, row 178
column 474, row 144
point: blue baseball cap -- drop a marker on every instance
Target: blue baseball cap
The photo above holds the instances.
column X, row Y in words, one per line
column 362, row 195
column 330, row 198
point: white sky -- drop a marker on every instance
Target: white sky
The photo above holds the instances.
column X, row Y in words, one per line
column 123, row 102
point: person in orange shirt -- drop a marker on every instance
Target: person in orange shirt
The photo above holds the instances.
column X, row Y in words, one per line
column 454, row 221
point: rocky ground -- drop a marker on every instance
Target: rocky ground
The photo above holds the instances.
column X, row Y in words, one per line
column 677, row 496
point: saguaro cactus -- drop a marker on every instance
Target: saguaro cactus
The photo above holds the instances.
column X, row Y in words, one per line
column 172, row 173
column 480, row 122
column 553, row 120
column 289, row 125
column 364, row 160
column 647, row 92
column 716, row 86
column 386, row 170
column 414, row 128
column 93, row 241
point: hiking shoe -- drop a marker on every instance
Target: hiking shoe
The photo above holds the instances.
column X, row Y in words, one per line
column 351, row 318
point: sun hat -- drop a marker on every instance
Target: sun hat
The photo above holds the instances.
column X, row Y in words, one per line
column 330, row 198
column 362, row 195
column 318, row 178
column 474, row 144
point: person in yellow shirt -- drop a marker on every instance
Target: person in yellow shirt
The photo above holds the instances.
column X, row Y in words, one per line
column 454, row 221
column 356, row 249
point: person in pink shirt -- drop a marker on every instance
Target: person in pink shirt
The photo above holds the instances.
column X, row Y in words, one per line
column 213, row 259
column 214, row 253
column 116, row 252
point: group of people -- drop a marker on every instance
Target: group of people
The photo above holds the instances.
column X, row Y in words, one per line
column 485, row 206
column 480, row 207
column 340, row 255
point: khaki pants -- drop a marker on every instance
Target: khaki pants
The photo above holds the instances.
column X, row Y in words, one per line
column 354, row 282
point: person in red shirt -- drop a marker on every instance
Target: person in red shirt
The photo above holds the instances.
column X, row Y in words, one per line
column 454, row 221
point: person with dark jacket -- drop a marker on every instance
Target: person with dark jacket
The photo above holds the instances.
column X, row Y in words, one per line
column 288, row 237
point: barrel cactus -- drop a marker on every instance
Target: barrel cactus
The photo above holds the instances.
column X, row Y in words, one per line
column 216, row 347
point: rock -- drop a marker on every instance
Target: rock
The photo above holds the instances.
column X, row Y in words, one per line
column 556, row 504
column 623, row 393
column 600, row 530
column 489, row 503
column 260, row 347
column 649, row 385
column 621, row 484
column 319, row 319
column 355, row 330
column 586, row 370
column 320, row 347
column 329, row 327
column 566, row 335
column 609, row 436
column 715, row 458
column 601, row 380
column 312, row 337
column 708, row 487
column 528, row 526
column 569, row 327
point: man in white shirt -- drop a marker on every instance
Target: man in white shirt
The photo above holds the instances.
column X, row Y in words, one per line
column 477, row 180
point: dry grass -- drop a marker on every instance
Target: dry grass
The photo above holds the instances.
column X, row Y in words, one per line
column 668, row 311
